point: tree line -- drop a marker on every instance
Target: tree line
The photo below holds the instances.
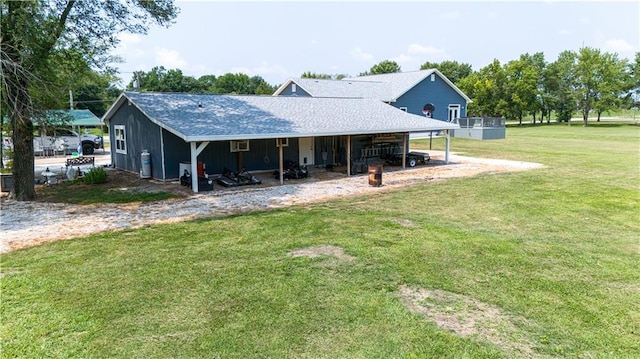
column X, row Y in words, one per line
column 160, row 79
column 587, row 81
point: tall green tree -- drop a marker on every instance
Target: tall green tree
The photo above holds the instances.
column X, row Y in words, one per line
column 207, row 83
column 313, row 75
column 160, row 79
column 258, row 86
column 487, row 89
column 453, row 70
column 614, row 85
column 521, row 90
column 539, row 64
column 560, row 83
column 633, row 95
column 35, row 34
column 383, row 67
column 597, row 74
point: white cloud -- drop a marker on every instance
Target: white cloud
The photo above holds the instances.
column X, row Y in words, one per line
column 407, row 62
column 417, row 54
column 619, row 46
column 360, row 55
column 170, row 59
column 425, row 50
column 128, row 45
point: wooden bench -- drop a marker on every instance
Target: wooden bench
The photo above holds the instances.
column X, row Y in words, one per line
column 81, row 161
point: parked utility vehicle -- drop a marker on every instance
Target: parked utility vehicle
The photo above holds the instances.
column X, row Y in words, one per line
column 67, row 141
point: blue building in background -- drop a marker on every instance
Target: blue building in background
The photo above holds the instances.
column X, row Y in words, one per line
column 425, row 93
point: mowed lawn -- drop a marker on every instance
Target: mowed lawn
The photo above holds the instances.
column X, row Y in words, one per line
column 534, row 264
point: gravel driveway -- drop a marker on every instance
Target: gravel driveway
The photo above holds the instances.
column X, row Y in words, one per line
column 24, row 224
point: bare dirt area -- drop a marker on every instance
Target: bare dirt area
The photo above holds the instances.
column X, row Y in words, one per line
column 25, row 224
column 462, row 315
column 468, row 317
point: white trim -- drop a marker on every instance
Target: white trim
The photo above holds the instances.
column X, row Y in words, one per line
column 453, row 106
column 239, row 146
column 285, row 142
column 120, row 139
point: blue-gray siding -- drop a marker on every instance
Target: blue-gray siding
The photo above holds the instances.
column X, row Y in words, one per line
column 141, row 134
column 299, row 92
column 437, row 92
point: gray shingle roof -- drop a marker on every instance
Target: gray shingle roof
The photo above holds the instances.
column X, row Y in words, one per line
column 195, row 117
column 335, row 88
column 384, row 87
column 400, row 82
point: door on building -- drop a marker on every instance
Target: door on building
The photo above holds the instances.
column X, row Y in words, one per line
column 454, row 112
column 306, row 151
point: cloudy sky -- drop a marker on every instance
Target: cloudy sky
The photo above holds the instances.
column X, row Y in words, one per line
column 278, row 40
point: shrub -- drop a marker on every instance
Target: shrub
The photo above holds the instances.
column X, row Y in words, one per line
column 95, row 175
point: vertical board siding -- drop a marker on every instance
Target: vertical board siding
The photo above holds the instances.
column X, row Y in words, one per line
column 140, row 134
column 299, row 91
column 262, row 155
column 438, row 92
column 175, row 151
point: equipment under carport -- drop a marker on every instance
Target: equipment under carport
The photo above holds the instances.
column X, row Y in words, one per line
column 204, row 183
column 233, row 179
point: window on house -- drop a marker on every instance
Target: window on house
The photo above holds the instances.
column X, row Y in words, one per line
column 293, row 87
column 239, row 146
column 120, row 136
column 403, row 109
column 433, row 77
column 285, row 142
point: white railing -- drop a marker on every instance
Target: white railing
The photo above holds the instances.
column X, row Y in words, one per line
column 480, row 122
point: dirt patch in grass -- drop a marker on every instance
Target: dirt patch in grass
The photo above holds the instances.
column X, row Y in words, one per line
column 468, row 317
column 403, row 222
column 323, row 251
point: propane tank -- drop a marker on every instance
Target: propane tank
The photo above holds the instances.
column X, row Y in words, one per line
column 145, row 172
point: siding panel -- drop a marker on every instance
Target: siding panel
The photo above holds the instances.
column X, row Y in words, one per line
column 438, row 92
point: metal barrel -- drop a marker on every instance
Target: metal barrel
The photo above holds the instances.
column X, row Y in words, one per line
column 375, row 175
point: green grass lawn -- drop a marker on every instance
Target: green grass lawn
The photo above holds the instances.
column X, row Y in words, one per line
column 546, row 261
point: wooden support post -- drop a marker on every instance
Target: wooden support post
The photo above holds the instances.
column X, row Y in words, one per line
column 281, row 160
column 349, row 155
column 194, row 168
column 446, row 153
column 404, row 150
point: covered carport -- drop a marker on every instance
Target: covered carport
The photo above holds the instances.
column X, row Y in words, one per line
column 200, row 120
